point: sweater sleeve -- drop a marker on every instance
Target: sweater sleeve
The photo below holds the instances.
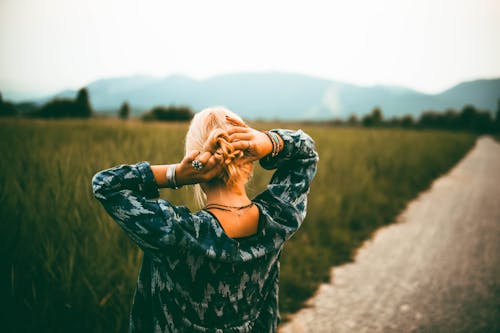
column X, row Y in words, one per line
column 126, row 192
column 286, row 195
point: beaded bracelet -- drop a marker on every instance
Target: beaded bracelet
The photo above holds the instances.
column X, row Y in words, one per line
column 170, row 174
column 272, row 142
column 275, row 142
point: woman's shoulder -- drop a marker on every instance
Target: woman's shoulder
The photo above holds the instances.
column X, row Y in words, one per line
column 282, row 217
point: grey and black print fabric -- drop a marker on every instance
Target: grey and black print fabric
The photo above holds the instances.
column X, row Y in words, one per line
column 194, row 278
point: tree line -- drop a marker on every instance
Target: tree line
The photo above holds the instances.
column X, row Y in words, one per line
column 469, row 118
column 80, row 107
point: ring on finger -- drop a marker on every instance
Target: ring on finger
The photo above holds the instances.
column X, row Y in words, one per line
column 197, row 165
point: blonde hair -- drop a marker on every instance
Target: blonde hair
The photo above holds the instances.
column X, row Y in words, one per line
column 208, row 132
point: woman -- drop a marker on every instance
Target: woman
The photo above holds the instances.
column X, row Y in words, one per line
column 214, row 270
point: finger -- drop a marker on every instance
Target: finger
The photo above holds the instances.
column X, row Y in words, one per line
column 235, row 121
column 237, row 129
column 204, row 157
column 240, row 137
column 213, row 161
column 212, row 168
column 192, row 155
column 241, row 145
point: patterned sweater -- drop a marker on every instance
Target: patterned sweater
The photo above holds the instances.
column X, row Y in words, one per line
column 194, row 278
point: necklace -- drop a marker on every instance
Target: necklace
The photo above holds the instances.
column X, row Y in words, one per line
column 227, row 208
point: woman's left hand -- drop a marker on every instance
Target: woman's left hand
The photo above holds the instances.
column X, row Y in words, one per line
column 186, row 174
column 255, row 144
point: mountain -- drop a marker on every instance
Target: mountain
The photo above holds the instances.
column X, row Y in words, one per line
column 272, row 95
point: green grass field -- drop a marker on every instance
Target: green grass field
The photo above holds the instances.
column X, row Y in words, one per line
column 67, row 267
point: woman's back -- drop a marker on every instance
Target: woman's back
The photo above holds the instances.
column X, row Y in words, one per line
column 211, row 280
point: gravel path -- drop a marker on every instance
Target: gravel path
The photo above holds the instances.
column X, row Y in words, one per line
column 436, row 270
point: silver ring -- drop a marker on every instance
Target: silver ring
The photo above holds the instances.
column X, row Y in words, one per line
column 197, row 165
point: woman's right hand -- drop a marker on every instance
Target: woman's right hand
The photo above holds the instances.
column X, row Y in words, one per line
column 186, row 174
column 255, row 144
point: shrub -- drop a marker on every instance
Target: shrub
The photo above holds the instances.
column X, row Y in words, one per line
column 169, row 113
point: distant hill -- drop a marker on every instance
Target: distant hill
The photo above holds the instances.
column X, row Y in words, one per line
column 272, row 95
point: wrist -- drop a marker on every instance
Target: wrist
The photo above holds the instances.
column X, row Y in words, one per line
column 171, row 176
column 276, row 143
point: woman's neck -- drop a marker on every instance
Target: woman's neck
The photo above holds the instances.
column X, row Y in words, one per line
column 225, row 196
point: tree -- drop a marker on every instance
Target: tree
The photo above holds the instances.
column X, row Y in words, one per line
column 405, row 121
column 474, row 120
column 430, row 119
column 467, row 117
column 7, row 109
column 169, row 113
column 450, row 120
column 124, row 112
column 353, row 120
column 375, row 118
column 82, row 100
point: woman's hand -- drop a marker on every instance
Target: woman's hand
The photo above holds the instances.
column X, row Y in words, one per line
column 186, row 174
column 255, row 144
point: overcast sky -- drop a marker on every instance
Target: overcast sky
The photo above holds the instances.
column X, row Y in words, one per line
column 428, row 45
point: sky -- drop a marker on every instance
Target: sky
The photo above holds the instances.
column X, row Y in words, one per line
column 428, row 45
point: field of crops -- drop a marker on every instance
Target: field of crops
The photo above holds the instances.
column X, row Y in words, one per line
column 66, row 267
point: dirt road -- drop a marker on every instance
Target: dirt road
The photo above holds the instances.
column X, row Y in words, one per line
column 436, row 270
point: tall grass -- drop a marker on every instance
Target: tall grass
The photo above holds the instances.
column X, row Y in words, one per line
column 67, row 267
